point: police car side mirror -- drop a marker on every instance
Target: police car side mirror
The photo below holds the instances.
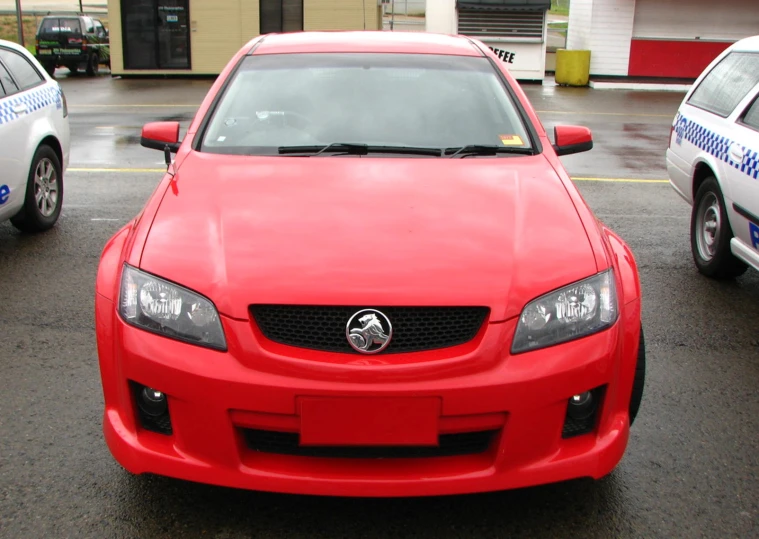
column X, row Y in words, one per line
column 569, row 139
column 160, row 136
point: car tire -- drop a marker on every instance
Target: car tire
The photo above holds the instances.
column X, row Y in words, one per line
column 92, row 65
column 44, row 193
column 640, row 379
column 710, row 234
column 50, row 68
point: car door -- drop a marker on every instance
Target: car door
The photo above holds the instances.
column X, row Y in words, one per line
column 18, row 109
column 13, row 133
column 743, row 175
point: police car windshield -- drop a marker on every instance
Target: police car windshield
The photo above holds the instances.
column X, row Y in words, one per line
column 427, row 101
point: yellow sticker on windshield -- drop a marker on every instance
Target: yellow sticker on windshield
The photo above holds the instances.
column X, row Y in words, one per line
column 511, row 140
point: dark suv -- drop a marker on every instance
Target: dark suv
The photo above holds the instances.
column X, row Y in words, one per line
column 76, row 42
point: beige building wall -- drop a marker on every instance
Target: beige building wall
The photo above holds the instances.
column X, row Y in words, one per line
column 218, row 28
column 341, row 15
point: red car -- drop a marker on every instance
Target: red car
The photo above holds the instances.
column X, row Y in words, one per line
column 367, row 273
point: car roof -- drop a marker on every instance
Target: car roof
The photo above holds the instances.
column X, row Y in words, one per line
column 749, row 44
column 367, row 41
column 14, row 46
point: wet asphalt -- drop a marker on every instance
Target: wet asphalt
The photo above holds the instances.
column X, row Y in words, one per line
column 691, row 466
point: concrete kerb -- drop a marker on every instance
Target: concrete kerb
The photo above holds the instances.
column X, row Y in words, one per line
column 643, row 86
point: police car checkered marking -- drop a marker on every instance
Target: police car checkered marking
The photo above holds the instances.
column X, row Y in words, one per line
column 750, row 164
column 36, row 99
column 715, row 145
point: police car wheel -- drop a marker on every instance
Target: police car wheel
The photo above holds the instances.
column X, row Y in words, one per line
column 50, row 68
column 44, row 193
column 710, row 234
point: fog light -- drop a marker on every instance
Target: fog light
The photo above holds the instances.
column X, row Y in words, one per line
column 152, row 402
column 581, row 406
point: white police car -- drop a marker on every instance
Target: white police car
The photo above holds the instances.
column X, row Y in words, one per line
column 34, row 141
column 713, row 163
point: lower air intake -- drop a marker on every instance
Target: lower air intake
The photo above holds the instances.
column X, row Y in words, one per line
column 450, row 445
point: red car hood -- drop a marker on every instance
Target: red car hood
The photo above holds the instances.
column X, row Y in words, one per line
column 367, row 232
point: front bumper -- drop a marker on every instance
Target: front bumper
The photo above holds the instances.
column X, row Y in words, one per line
column 214, row 397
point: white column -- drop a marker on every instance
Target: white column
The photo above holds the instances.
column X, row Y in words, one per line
column 605, row 28
column 440, row 17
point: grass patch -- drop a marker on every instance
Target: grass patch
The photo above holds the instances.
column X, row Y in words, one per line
column 9, row 28
column 559, row 7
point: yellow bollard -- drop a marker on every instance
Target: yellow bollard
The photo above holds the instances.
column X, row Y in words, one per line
column 572, row 67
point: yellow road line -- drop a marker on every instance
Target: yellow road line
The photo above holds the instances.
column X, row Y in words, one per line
column 592, row 113
column 125, row 170
column 154, row 170
column 617, row 180
column 135, row 105
column 196, row 105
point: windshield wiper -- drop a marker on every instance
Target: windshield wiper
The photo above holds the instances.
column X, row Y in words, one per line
column 357, row 149
column 486, row 149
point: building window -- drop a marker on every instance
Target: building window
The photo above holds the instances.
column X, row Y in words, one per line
column 156, row 34
column 517, row 20
column 281, row 16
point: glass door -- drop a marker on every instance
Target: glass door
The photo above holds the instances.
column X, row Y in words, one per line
column 156, row 34
column 173, row 34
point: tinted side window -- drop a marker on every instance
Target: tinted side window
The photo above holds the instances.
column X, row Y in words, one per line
column 23, row 71
column 99, row 30
column 727, row 84
column 88, row 25
column 7, row 86
column 751, row 118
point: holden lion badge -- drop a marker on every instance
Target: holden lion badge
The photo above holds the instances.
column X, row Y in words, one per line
column 369, row 331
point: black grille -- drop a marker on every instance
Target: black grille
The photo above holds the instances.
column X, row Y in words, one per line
column 575, row 427
column 415, row 329
column 160, row 424
column 286, row 443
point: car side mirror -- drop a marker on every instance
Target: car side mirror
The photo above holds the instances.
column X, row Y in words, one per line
column 160, row 136
column 569, row 139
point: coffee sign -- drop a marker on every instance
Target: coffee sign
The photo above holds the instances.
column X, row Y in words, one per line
column 506, row 56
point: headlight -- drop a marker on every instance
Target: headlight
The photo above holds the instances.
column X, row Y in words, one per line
column 572, row 312
column 167, row 309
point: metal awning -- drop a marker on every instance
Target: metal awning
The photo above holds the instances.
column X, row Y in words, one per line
column 503, row 5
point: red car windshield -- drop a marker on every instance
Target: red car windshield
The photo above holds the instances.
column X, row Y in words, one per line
column 413, row 100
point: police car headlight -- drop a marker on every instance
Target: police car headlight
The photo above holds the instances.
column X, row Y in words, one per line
column 168, row 309
column 569, row 313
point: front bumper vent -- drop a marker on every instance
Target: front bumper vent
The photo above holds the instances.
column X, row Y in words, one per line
column 154, row 422
column 584, row 423
column 287, row 443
